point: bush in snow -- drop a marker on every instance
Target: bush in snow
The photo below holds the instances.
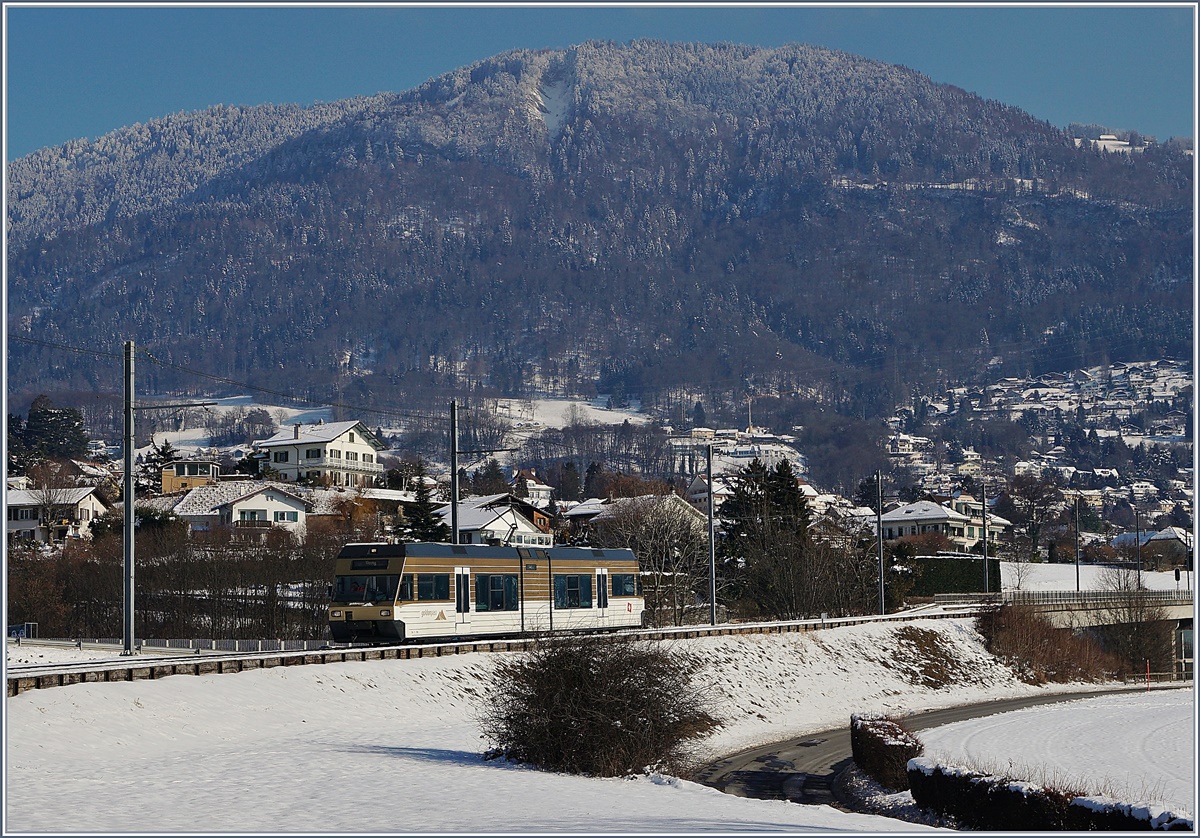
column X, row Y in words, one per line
column 882, row 747
column 596, row 705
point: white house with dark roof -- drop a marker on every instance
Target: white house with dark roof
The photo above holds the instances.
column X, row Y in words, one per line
column 498, row 519
column 961, row 522
column 332, row 453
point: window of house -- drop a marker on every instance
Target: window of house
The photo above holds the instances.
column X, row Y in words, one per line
column 368, row 458
column 281, row 456
column 496, row 592
column 252, row 515
column 572, row 590
column 426, row 586
column 282, row 517
column 335, row 453
column 623, row 584
column 312, row 453
column 350, row 436
column 352, row 455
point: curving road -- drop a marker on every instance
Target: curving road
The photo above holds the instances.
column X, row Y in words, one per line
column 803, row 770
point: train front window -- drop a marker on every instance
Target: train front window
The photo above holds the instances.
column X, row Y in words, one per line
column 366, row 588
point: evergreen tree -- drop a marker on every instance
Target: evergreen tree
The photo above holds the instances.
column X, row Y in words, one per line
column 422, row 523
column 569, row 484
column 53, row 433
column 148, row 475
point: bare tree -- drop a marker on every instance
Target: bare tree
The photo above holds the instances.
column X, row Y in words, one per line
column 55, row 493
column 669, row 537
column 1135, row 627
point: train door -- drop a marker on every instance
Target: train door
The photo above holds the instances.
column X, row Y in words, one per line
column 462, row 600
column 602, row 592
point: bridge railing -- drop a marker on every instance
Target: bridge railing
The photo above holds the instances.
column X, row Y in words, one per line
column 1095, row 599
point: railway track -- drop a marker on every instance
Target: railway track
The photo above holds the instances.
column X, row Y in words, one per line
column 21, row 678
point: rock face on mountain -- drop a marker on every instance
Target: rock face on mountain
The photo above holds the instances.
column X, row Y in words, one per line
column 646, row 218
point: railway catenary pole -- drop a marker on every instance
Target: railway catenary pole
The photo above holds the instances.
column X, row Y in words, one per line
column 1077, row 540
column 453, row 471
column 987, row 585
column 879, row 536
column 712, row 546
column 127, row 623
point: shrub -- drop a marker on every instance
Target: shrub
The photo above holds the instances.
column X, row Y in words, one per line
column 882, row 747
column 596, row 705
column 1038, row 652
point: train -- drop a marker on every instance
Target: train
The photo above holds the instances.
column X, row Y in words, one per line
column 392, row 593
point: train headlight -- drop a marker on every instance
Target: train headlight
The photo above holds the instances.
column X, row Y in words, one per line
column 335, row 613
column 385, row 612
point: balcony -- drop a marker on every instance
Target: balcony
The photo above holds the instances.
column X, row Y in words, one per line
column 253, row 524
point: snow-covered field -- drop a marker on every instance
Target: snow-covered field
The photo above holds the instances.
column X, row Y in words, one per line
column 1136, row 747
column 392, row 746
column 1061, row 577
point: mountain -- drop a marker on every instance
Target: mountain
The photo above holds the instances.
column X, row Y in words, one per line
column 663, row 220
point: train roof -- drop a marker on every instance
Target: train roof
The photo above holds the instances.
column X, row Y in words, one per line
column 439, row 550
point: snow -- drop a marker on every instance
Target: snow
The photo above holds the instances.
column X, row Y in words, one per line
column 1136, row 747
column 1035, row 576
column 393, row 746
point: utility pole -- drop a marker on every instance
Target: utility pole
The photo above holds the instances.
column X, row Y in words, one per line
column 127, row 629
column 879, row 536
column 987, row 584
column 712, row 547
column 453, row 471
column 1077, row 542
column 1137, row 528
column 130, row 520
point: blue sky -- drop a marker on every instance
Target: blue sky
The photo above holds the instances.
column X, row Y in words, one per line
column 84, row 71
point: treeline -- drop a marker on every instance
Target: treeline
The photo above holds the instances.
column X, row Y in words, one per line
column 197, row 586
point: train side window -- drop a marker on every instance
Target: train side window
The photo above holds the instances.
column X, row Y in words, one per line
column 433, row 586
column 406, row 587
column 623, row 584
column 496, row 592
column 572, row 590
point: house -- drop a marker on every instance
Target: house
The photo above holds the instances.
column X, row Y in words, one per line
column 525, row 484
column 188, row 474
column 330, row 453
column 960, row 520
column 248, row 507
column 52, row 514
column 500, row 519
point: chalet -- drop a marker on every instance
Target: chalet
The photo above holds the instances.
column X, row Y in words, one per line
column 331, row 453
column 525, row 484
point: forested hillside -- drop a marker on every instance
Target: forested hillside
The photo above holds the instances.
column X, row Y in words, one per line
column 666, row 221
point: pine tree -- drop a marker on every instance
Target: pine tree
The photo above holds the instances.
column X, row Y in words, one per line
column 422, row 523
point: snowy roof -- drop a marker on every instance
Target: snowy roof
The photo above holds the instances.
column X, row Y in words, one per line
column 586, row 508
column 924, row 510
column 477, row 513
column 68, row 496
column 319, row 432
column 206, row 500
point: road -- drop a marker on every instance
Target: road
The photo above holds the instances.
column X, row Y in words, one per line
column 803, row 770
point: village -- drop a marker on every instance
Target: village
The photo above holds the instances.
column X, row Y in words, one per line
column 325, row 473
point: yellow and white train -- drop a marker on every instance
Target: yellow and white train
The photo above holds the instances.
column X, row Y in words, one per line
column 396, row 592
